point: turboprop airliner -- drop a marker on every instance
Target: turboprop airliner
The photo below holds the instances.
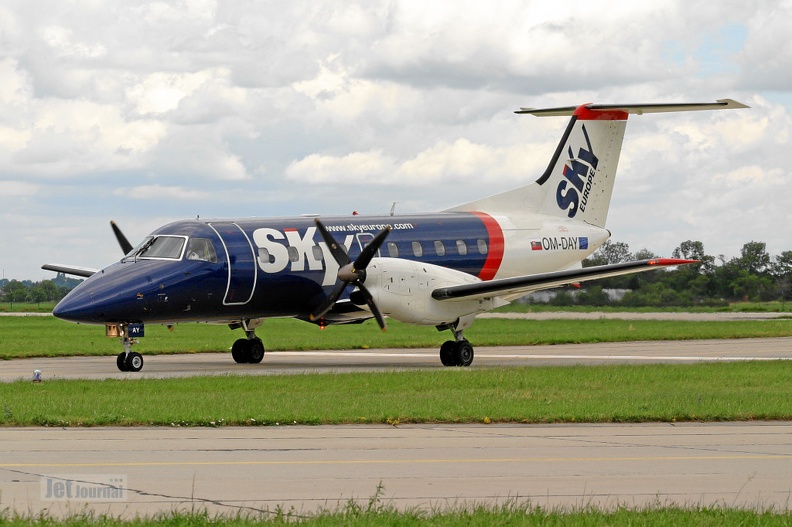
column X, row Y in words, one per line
column 439, row 269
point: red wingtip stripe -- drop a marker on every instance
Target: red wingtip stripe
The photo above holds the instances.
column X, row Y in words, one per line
column 495, row 252
column 672, row 261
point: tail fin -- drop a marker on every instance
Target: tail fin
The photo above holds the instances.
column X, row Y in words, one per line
column 578, row 182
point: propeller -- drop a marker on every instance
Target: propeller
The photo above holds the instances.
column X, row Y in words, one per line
column 122, row 240
column 351, row 273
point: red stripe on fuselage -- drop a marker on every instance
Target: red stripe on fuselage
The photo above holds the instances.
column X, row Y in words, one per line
column 495, row 252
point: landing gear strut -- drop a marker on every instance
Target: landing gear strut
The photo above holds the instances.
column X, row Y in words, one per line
column 250, row 349
column 127, row 360
column 457, row 352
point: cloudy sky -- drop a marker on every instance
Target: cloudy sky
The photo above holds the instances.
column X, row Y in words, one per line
column 147, row 112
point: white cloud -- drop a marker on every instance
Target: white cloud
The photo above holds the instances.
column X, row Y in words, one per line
column 17, row 189
column 233, row 108
column 160, row 192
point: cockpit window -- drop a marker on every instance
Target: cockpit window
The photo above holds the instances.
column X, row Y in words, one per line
column 201, row 249
column 168, row 247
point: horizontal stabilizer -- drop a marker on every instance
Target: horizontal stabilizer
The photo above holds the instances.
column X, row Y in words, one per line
column 638, row 109
column 537, row 282
column 84, row 272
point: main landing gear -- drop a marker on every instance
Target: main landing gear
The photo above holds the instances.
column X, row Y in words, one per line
column 250, row 349
column 457, row 352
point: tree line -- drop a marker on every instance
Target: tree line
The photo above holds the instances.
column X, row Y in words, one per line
column 755, row 275
column 36, row 292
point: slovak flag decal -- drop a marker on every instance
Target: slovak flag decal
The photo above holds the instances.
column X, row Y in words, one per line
column 536, row 245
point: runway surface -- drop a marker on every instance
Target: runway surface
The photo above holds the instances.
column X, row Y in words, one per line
column 232, row 470
column 292, row 362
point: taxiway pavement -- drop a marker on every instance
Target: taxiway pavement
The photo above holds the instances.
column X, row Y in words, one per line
column 256, row 469
column 292, row 362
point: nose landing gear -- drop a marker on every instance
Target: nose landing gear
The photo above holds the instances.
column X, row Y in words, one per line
column 127, row 360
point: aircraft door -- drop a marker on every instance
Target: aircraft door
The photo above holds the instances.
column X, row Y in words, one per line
column 241, row 260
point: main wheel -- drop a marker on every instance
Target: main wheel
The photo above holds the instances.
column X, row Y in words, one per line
column 463, row 353
column 256, row 351
column 134, row 361
column 447, row 353
column 121, row 361
column 240, row 351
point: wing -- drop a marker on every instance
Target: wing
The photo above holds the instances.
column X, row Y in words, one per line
column 84, row 272
column 523, row 285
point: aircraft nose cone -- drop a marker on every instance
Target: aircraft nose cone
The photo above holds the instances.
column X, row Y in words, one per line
column 76, row 306
column 104, row 297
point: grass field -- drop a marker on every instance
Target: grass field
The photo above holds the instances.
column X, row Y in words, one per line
column 47, row 336
column 376, row 514
column 701, row 392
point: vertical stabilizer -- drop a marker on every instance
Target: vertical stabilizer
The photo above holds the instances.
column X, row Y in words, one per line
column 578, row 182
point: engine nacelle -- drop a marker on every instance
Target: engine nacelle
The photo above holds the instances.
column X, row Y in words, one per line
column 402, row 289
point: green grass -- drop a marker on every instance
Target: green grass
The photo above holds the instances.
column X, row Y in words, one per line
column 375, row 513
column 701, row 392
column 47, row 336
column 27, row 307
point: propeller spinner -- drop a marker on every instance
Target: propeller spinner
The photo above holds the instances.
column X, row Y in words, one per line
column 351, row 273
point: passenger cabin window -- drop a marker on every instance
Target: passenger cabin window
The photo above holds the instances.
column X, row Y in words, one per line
column 201, row 249
column 482, row 246
column 439, row 248
column 393, row 250
column 294, row 254
column 264, row 256
column 317, row 253
column 417, row 249
column 461, row 247
column 165, row 247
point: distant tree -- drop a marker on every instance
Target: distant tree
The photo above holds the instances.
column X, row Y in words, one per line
column 645, row 254
column 15, row 291
column 562, row 298
column 694, row 250
column 610, row 253
column 781, row 270
column 754, row 258
column 593, row 295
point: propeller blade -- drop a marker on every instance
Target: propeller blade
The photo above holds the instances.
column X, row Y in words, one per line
column 372, row 306
column 122, row 240
column 350, row 273
column 371, row 249
column 329, row 301
column 337, row 250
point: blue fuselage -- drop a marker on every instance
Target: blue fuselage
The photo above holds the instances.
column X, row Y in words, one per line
column 228, row 270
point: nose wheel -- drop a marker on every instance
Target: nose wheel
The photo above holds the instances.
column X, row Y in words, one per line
column 129, row 360
column 133, row 361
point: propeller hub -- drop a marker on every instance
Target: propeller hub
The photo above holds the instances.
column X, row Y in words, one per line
column 349, row 274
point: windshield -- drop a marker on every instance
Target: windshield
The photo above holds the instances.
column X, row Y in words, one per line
column 169, row 247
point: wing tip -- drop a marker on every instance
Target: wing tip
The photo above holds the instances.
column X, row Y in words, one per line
column 671, row 261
